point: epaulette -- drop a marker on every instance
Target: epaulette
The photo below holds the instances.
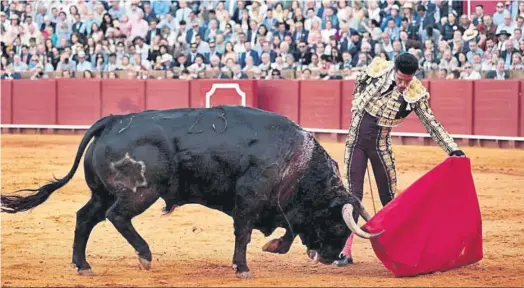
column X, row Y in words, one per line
column 379, row 67
column 415, row 91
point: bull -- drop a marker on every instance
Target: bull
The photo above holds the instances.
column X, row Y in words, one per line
column 258, row 167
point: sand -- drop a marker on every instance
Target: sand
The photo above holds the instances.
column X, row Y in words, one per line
column 194, row 245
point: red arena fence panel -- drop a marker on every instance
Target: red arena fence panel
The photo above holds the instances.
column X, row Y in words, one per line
column 348, row 86
column 476, row 108
column 78, row 102
column 412, row 124
column 521, row 109
column 320, row 103
column 452, row 104
column 7, row 101
column 496, row 106
column 167, row 94
column 211, row 92
column 283, row 99
column 121, row 96
column 34, row 102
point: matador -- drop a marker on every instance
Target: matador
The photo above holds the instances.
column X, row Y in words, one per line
column 385, row 94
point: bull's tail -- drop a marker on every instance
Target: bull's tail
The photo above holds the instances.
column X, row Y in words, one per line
column 16, row 203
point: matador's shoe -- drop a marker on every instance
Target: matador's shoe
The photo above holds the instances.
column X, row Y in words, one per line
column 343, row 260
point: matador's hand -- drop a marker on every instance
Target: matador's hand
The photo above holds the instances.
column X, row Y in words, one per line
column 459, row 153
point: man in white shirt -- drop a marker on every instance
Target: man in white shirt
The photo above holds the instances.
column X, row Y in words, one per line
column 508, row 24
column 469, row 73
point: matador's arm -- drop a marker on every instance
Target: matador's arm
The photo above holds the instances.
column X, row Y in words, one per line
column 434, row 128
column 417, row 97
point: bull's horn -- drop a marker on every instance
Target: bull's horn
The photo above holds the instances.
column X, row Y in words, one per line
column 347, row 214
column 364, row 213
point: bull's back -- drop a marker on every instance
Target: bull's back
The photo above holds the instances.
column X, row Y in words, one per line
column 235, row 135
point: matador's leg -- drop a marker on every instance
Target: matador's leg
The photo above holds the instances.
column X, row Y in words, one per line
column 355, row 159
column 383, row 163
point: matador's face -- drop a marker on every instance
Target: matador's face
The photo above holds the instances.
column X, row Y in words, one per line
column 402, row 80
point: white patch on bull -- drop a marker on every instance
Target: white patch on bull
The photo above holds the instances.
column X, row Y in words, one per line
column 115, row 166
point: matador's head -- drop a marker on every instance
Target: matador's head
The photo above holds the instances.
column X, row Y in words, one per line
column 406, row 65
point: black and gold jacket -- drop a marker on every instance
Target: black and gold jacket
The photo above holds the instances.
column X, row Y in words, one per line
column 375, row 94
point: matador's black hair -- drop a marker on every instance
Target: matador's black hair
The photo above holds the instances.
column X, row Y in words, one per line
column 406, row 63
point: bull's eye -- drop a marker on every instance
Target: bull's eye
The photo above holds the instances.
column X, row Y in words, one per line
column 339, row 229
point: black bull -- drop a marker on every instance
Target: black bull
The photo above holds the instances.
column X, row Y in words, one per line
column 258, row 167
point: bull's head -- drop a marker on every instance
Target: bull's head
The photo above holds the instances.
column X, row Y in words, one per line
column 327, row 239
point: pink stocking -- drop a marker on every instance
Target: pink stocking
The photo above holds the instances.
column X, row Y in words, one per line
column 349, row 244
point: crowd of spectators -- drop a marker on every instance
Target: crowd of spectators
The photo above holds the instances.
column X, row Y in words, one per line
column 260, row 39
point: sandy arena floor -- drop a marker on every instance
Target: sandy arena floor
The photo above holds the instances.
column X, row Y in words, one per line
column 194, row 246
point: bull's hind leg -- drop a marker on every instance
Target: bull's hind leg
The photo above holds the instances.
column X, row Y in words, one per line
column 136, row 179
column 121, row 213
column 86, row 219
column 90, row 215
column 280, row 245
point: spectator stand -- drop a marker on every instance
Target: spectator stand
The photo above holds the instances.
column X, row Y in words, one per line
column 259, row 39
column 239, row 39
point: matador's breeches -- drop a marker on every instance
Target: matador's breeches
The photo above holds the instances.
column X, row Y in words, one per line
column 366, row 140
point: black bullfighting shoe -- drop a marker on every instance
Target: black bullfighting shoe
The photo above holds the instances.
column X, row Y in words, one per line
column 343, row 260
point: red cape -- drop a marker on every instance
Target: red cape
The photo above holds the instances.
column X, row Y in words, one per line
column 434, row 225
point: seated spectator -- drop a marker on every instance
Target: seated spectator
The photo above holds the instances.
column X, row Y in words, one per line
column 516, row 62
column 507, row 54
column 238, row 74
column 469, row 73
column 275, row 74
column 259, row 36
column 491, row 64
column 499, row 73
column 8, row 73
column 455, row 74
column 332, row 74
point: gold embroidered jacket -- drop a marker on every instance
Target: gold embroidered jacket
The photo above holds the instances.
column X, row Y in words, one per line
column 375, row 95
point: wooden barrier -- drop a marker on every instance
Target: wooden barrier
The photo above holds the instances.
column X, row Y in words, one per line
column 474, row 112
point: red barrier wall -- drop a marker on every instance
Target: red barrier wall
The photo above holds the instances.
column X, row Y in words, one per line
column 347, row 97
column 278, row 98
column 452, row 104
column 78, row 102
column 7, row 101
column 496, row 107
column 521, row 114
column 481, row 107
column 320, row 104
column 167, row 93
column 121, row 96
column 34, row 102
column 223, row 95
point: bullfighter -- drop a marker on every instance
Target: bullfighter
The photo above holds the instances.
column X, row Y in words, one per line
column 384, row 95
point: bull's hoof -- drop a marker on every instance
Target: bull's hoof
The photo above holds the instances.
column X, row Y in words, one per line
column 145, row 264
column 244, row 275
column 272, row 246
column 86, row 272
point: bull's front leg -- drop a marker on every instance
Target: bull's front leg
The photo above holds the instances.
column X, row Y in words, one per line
column 243, row 229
